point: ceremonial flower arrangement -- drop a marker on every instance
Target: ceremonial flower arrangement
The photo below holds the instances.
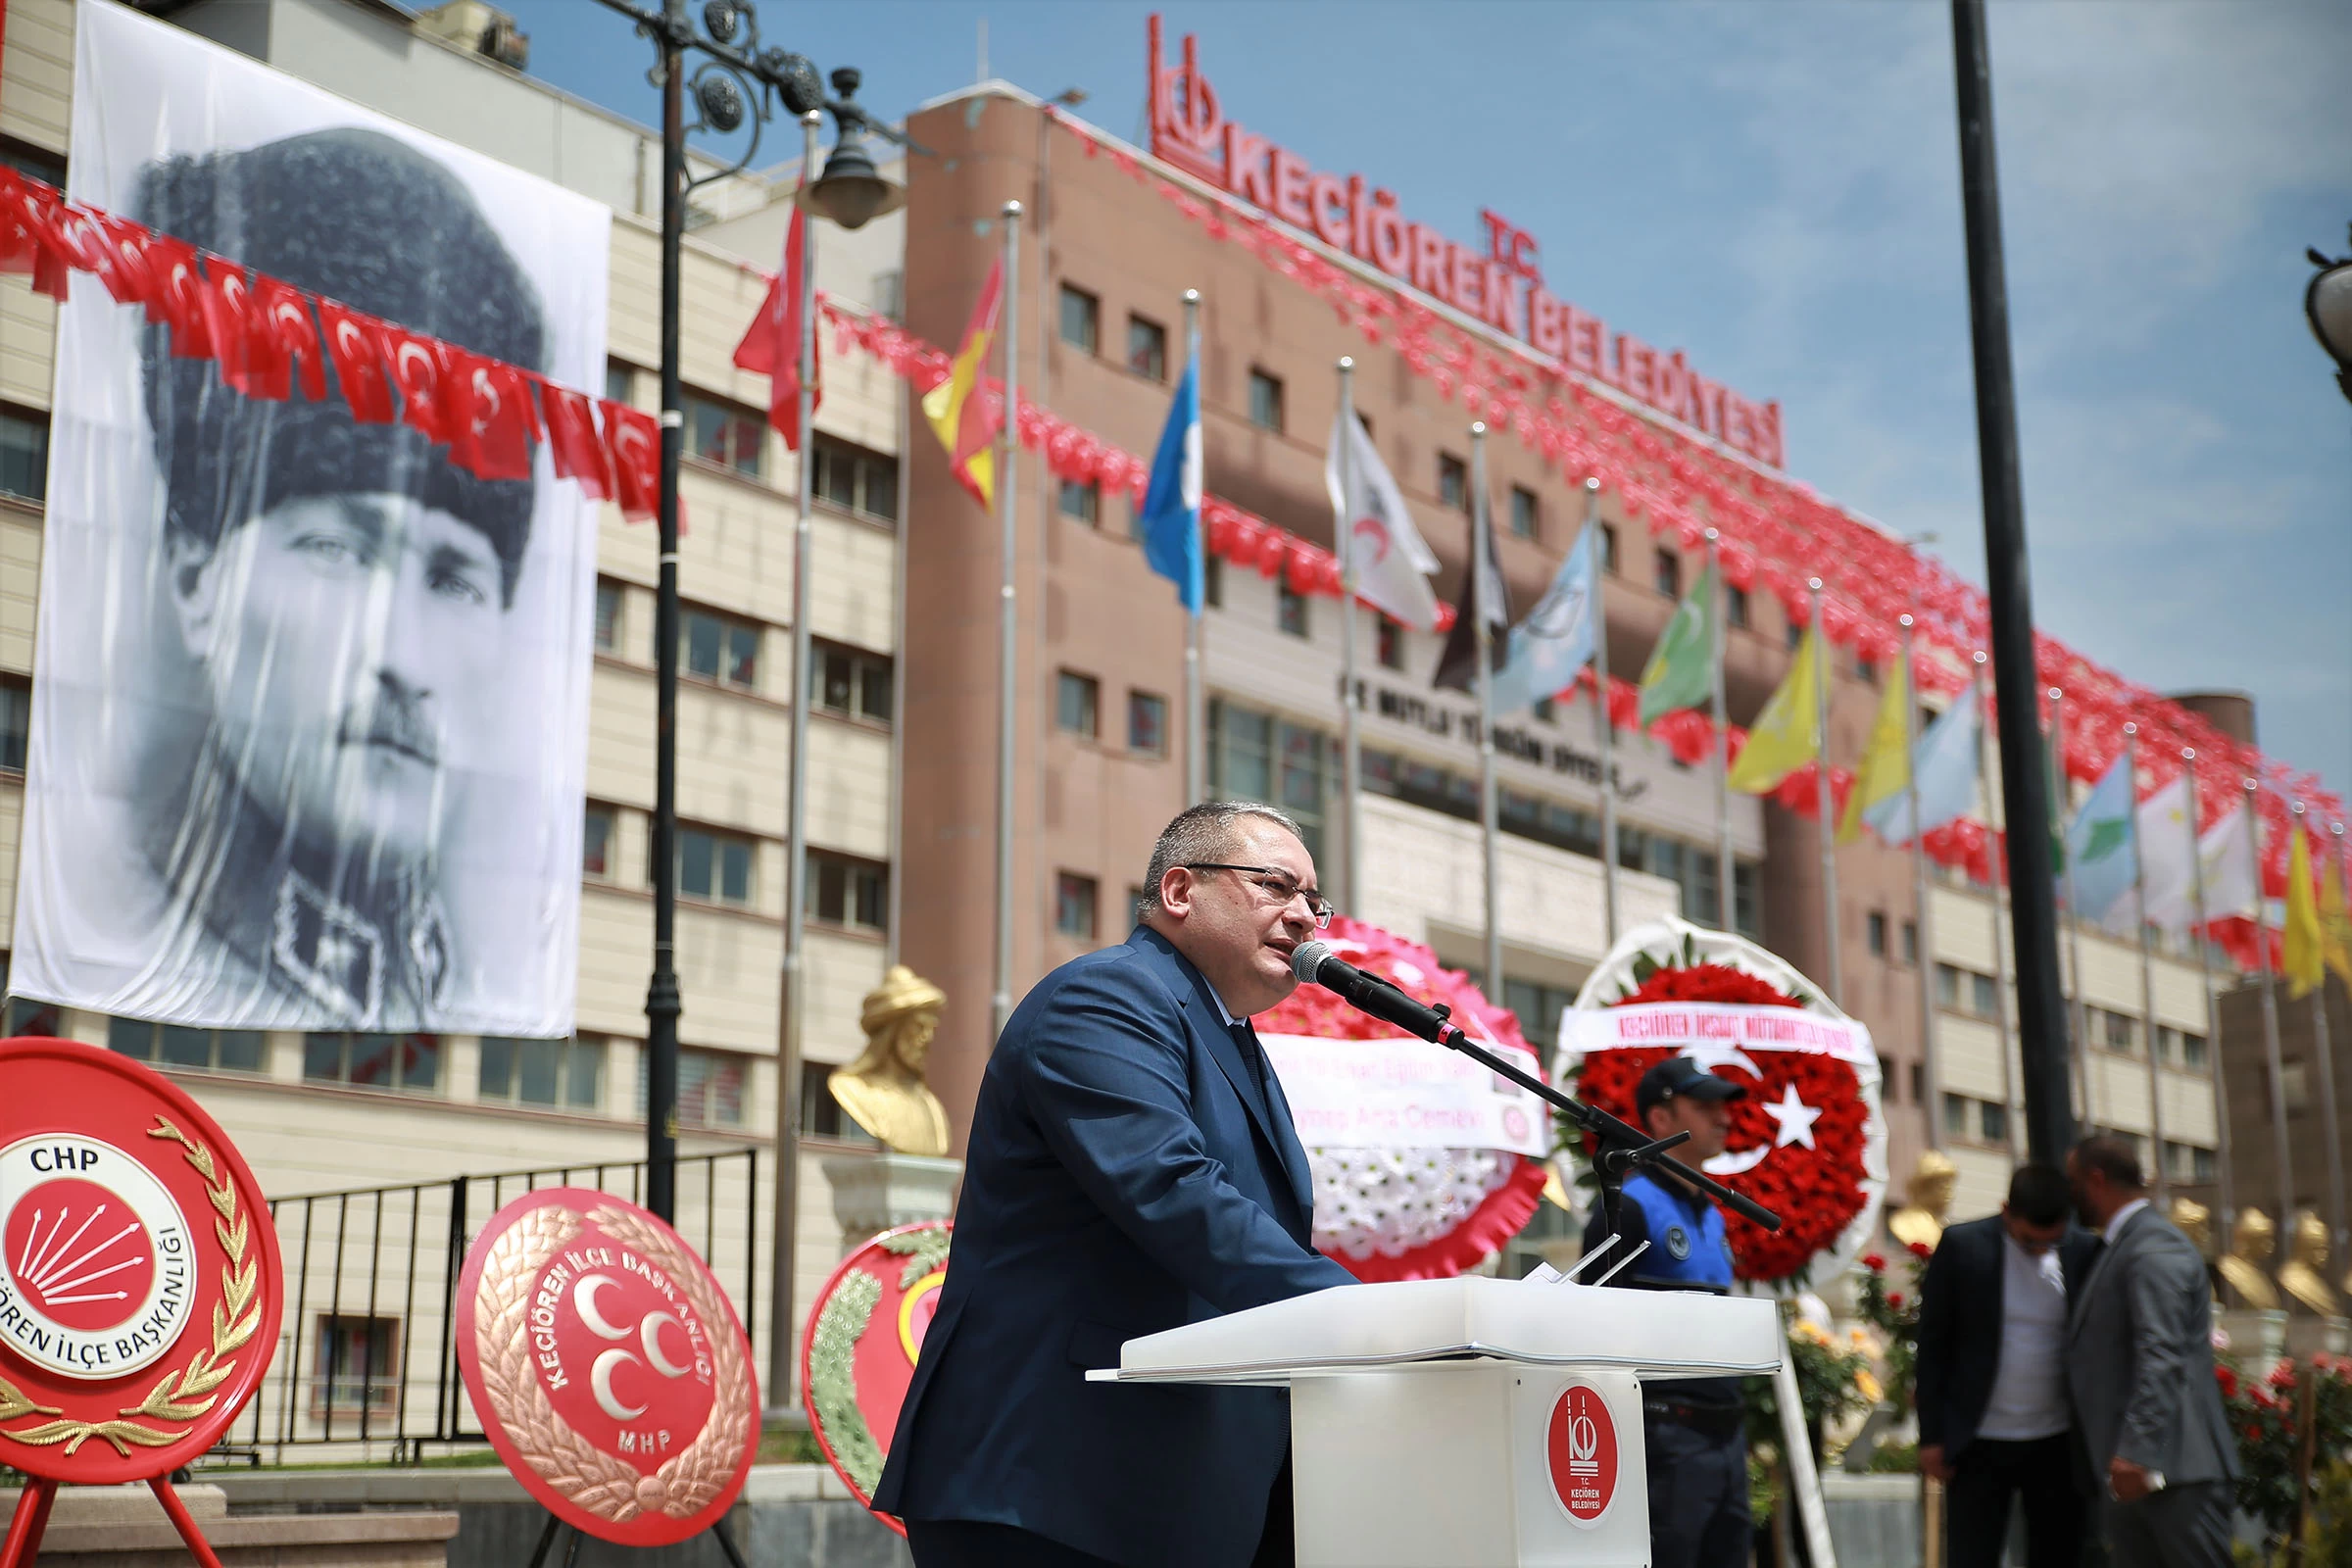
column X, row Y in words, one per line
column 2266, row 1413
column 1409, row 1213
column 1892, row 1309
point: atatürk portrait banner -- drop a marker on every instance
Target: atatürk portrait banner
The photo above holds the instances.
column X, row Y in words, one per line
column 310, row 710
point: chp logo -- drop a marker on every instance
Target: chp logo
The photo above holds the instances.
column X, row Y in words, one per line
column 1580, row 1454
column 607, row 1367
column 139, row 1292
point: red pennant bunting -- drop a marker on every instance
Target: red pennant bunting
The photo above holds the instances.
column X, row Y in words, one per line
column 280, row 314
column 242, row 342
column 427, row 397
column 178, row 299
column 355, row 345
column 132, row 277
column 572, row 442
column 634, row 441
column 501, row 420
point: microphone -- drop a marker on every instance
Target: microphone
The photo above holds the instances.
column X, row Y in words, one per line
column 1315, row 962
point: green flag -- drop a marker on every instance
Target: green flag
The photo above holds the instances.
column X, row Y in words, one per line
column 1681, row 672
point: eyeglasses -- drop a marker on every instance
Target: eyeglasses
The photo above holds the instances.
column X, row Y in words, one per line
column 1277, row 885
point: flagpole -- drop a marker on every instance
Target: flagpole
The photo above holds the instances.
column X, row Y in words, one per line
column 1196, row 702
column 1007, row 625
column 2078, row 1013
column 2270, row 1031
column 1997, row 868
column 1823, row 798
column 2147, row 963
column 2319, row 1005
column 1480, row 522
column 2213, row 1024
column 2325, row 1060
column 1931, row 1081
column 1726, row 867
column 1601, row 712
column 1350, row 748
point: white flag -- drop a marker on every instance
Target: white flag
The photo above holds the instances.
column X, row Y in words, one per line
column 2231, row 884
column 1391, row 560
column 2166, row 843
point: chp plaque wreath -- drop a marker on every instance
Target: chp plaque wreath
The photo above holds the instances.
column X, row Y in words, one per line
column 608, row 1366
column 140, row 1290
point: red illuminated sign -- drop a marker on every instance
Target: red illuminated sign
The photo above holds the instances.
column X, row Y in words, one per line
column 1502, row 287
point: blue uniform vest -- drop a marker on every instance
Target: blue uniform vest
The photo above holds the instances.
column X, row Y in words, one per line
column 1684, row 1233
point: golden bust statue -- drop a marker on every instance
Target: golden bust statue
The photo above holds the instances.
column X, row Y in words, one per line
column 883, row 1090
column 1928, row 1195
column 2305, row 1275
column 2250, row 1242
column 2196, row 1223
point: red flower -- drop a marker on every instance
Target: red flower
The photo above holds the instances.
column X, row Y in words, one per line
column 1894, row 1299
column 1874, row 1262
column 1921, row 1250
column 2227, row 1379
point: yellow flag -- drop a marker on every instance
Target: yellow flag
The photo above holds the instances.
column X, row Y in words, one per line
column 2299, row 945
column 1786, row 735
column 1885, row 769
column 964, row 422
column 2335, row 923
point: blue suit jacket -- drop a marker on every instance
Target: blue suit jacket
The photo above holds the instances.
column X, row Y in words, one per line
column 1125, row 1175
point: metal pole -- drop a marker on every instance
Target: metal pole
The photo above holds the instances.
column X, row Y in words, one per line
column 1489, row 826
column 2000, row 952
column 2147, row 967
column 1824, row 799
column 1726, row 866
column 1350, row 748
column 2050, row 1122
column 2270, row 1034
column 2336, row 1161
column 1597, row 563
column 2323, row 1059
column 661, row 1002
column 2227, row 1185
column 1008, row 627
column 786, row 1250
column 1931, row 1081
column 1196, row 698
column 2079, row 1012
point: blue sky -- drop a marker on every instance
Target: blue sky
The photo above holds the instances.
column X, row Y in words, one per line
column 1775, row 189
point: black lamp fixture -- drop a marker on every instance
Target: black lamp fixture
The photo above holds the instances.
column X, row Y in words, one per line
column 852, row 192
column 2328, row 304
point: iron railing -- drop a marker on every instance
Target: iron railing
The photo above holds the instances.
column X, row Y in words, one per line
column 366, row 1360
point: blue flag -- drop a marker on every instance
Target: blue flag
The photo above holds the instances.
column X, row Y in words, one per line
column 1171, row 517
column 2100, row 849
column 1547, row 649
column 1944, row 769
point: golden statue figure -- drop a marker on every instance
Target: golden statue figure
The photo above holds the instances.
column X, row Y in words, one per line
column 883, row 1090
column 2250, row 1242
column 2196, row 1223
column 1926, row 1197
column 2305, row 1275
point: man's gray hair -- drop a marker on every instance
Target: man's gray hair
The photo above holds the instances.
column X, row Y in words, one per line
column 1202, row 833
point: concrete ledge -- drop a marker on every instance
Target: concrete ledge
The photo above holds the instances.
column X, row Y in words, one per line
column 451, row 1485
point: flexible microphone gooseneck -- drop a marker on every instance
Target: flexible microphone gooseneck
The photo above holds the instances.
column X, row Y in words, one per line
column 1622, row 1145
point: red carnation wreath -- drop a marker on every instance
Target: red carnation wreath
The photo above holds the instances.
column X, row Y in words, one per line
column 1807, row 1127
column 1409, row 1213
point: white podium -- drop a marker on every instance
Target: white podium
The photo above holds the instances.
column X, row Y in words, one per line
column 1467, row 1423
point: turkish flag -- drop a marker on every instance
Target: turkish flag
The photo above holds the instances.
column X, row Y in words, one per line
column 428, row 401
column 355, row 343
column 179, row 297
column 493, row 418
column 250, row 360
column 634, row 441
column 280, row 310
column 772, row 345
column 572, row 442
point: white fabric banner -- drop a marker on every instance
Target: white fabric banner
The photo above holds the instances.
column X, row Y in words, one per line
column 310, row 710
column 1715, row 1032
column 1405, row 1093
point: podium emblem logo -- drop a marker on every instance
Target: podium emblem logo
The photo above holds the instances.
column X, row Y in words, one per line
column 1580, row 1451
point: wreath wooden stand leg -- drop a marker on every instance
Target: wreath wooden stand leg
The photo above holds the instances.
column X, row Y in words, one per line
column 547, row 1541
column 32, row 1522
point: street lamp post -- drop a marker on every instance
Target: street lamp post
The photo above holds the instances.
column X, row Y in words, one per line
column 2327, row 301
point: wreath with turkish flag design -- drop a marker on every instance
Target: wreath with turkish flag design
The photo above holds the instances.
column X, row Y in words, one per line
column 1807, row 1140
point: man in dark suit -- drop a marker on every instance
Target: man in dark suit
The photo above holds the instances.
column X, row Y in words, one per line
column 2139, row 1365
column 1994, row 1418
column 1131, row 1169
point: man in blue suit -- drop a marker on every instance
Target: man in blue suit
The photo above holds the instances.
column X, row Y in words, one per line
column 1131, row 1169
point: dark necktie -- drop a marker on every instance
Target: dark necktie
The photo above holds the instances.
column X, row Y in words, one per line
column 1255, row 1056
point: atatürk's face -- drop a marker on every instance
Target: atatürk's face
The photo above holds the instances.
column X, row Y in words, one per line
column 345, row 641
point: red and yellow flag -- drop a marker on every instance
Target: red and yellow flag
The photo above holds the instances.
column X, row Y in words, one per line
column 964, row 419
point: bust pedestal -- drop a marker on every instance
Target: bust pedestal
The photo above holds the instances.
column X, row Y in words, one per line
column 2256, row 1337
column 880, row 1191
column 2307, row 1332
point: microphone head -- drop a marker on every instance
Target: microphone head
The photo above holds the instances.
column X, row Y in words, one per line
column 1307, row 957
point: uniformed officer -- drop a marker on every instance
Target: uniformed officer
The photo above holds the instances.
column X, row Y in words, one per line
column 1692, row 1428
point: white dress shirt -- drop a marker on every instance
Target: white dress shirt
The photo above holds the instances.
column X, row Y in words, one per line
column 2029, row 1388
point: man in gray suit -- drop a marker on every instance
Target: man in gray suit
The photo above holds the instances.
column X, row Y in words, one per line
column 2140, row 1368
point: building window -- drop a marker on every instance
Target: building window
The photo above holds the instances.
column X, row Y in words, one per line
column 1919, row 1083
column 856, row 480
column 1265, row 400
column 1147, row 348
column 356, row 1365
column 719, row 648
column 621, row 382
column 1075, row 898
column 1992, row 1121
column 1867, row 671
column 27, row 1016
column 1735, row 606
column 1887, row 1076
column 725, row 433
column 596, row 843
column 1875, row 926
column 1148, row 723
column 1747, row 907
column 1911, row 942
column 1522, row 511
column 714, row 866
column 711, row 1086
column 1077, row 703
column 16, row 722
column 408, row 1063
column 608, row 616
column 1793, row 633
column 1454, row 482
column 1081, row 318
column 1080, row 500
column 1389, row 635
column 1539, row 1010
column 27, row 159
column 1544, row 711
column 1608, row 549
column 2192, row 1050
column 1947, row 987
column 1666, row 573
column 1955, row 1115
column 850, row 682
column 170, row 1046
column 565, row 1074
column 24, row 455
column 821, row 1115
column 1983, row 997
column 1212, row 582
column 847, row 891
column 1254, row 756
column 1290, row 608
